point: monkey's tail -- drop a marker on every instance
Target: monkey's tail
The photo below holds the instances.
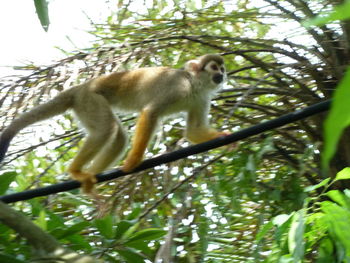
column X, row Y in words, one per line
column 56, row 106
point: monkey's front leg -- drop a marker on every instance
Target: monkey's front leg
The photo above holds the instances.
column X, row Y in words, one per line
column 145, row 127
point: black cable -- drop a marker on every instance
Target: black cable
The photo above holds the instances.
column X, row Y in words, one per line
column 178, row 154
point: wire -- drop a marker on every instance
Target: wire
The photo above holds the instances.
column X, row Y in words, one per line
column 178, row 154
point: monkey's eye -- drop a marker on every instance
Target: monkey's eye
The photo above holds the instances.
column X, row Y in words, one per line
column 214, row 67
column 222, row 69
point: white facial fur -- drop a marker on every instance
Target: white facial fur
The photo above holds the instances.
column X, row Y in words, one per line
column 217, row 72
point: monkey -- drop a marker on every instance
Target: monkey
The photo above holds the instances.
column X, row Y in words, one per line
column 154, row 92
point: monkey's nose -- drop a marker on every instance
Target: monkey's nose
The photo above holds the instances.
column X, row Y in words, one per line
column 218, row 78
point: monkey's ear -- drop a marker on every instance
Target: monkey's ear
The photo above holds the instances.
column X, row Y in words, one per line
column 192, row 66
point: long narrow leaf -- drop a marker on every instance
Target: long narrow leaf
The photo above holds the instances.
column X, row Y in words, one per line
column 42, row 10
column 340, row 12
column 338, row 119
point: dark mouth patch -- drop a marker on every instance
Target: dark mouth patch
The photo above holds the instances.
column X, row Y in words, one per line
column 218, row 78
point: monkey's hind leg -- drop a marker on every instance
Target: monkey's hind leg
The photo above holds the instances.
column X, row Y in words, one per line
column 111, row 152
column 95, row 114
column 85, row 154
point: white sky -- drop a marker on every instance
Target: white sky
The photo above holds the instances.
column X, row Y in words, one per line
column 23, row 39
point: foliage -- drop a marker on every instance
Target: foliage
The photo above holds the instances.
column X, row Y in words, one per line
column 108, row 235
column 42, row 11
column 340, row 12
column 264, row 202
column 319, row 224
column 338, row 118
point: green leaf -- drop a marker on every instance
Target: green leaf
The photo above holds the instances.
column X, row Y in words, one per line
column 141, row 246
column 251, row 166
column 5, row 180
column 282, row 223
column 296, row 236
column 338, row 119
column 78, row 242
column 280, row 219
column 41, row 220
column 36, row 207
column 262, row 232
column 135, row 212
column 343, row 174
column 340, row 198
column 326, row 252
column 146, row 235
column 203, row 230
column 74, row 229
column 9, row 259
column 105, row 226
column 122, row 227
column 338, row 219
column 314, row 187
column 316, row 223
column 340, row 12
column 131, row 256
column 55, row 221
column 286, row 259
column 42, row 10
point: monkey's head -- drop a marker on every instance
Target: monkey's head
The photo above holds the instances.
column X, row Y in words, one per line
column 209, row 67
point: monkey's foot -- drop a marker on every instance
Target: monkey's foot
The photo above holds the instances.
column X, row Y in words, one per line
column 223, row 133
column 87, row 181
column 232, row 146
column 130, row 164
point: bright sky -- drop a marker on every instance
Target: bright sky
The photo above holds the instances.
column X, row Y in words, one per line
column 23, row 39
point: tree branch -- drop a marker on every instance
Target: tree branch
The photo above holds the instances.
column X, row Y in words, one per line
column 45, row 246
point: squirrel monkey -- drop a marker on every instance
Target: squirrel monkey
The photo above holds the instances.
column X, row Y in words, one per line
column 154, row 92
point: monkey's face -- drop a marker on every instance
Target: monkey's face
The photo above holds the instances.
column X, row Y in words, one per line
column 210, row 69
column 216, row 71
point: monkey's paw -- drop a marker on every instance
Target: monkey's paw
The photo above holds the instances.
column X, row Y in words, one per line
column 130, row 164
column 86, row 179
column 223, row 133
column 232, row 146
